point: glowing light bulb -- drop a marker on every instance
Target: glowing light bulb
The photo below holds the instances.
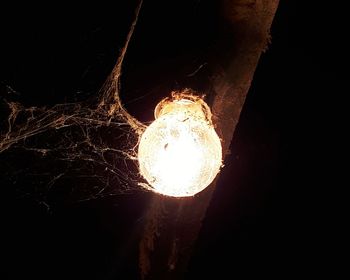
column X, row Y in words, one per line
column 180, row 153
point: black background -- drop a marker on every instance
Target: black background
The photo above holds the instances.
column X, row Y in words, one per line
column 270, row 214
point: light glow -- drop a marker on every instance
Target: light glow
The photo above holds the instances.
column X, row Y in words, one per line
column 180, row 153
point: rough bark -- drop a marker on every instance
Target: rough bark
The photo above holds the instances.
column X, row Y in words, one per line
column 172, row 224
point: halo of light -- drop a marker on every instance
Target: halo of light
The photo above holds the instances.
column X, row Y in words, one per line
column 180, row 153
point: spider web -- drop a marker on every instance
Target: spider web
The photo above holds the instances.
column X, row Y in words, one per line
column 73, row 151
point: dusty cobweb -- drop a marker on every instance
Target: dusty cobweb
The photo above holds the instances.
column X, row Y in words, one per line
column 75, row 151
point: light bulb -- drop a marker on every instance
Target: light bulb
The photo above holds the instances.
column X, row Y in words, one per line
column 180, row 153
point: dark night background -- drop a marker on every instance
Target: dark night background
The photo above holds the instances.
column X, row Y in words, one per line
column 268, row 215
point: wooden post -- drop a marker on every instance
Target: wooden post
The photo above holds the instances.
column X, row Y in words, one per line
column 173, row 224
